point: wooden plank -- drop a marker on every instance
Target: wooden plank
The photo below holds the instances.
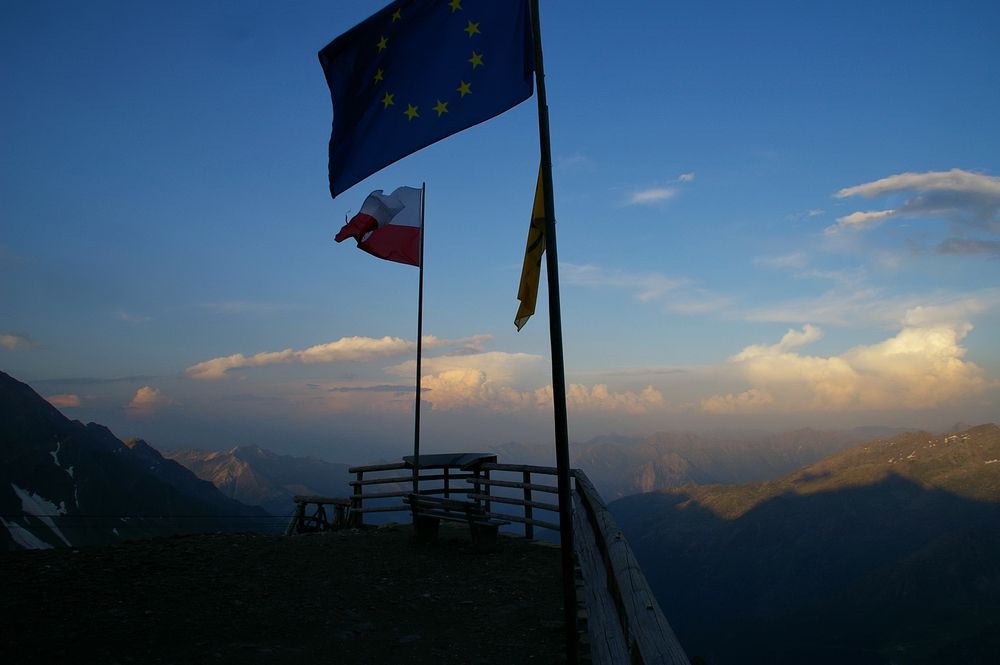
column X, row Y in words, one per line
column 377, row 467
column 606, row 638
column 404, row 479
column 329, row 500
column 551, row 489
column 545, row 470
column 649, row 636
column 516, row 502
column 383, row 509
column 520, row 520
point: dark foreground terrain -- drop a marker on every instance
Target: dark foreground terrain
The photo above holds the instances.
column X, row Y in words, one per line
column 370, row 596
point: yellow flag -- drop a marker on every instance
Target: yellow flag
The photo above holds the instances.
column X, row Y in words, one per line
column 527, row 292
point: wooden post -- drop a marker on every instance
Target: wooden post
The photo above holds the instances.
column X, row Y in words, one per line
column 486, row 490
column 357, row 517
column 555, row 341
column 529, row 529
column 420, row 339
column 446, row 487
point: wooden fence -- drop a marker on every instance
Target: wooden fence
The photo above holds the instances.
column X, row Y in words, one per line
column 624, row 622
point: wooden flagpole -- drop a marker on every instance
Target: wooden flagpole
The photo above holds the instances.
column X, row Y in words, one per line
column 558, row 368
column 420, row 339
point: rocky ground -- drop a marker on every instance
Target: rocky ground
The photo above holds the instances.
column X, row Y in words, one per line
column 369, row 596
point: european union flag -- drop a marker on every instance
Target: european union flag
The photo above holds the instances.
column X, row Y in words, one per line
column 418, row 71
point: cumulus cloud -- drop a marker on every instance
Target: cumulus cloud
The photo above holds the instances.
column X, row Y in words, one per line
column 64, row 401
column 147, row 400
column 497, row 381
column 11, row 341
column 921, row 367
column 345, row 349
column 968, row 199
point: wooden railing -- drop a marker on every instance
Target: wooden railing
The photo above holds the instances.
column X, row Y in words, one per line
column 624, row 622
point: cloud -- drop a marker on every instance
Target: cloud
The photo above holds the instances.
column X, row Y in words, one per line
column 652, row 195
column 921, row 367
column 794, row 260
column 495, row 382
column 968, row 246
column 345, row 349
column 11, row 342
column 648, row 286
column 854, row 304
column 63, row 401
column 575, row 162
column 147, row 400
column 962, row 197
column 685, row 177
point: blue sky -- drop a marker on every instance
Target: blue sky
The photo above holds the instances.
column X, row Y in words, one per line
column 770, row 216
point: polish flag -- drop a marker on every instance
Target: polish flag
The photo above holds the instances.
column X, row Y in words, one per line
column 388, row 226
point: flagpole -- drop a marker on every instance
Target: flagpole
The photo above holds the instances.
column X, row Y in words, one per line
column 555, row 338
column 420, row 339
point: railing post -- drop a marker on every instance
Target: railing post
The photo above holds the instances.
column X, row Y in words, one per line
column 529, row 529
column 446, row 488
column 486, row 491
column 476, row 486
column 357, row 517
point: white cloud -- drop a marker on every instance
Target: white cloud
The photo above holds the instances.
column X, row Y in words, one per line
column 63, row 401
column 921, row 367
column 686, row 177
column 651, row 195
column 966, row 198
column 345, row 349
column 11, row 341
column 147, row 400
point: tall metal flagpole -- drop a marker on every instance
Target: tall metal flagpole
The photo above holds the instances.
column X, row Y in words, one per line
column 420, row 338
column 555, row 337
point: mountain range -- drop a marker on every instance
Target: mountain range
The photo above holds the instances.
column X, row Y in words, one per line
column 621, row 465
column 63, row 483
column 259, row 477
column 888, row 552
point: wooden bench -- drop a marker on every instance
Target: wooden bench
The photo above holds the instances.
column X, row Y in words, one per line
column 428, row 511
column 318, row 521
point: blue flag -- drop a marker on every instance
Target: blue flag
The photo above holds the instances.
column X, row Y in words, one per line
column 418, row 71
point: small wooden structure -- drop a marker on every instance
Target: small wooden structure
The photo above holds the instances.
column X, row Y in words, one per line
column 302, row 522
column 428, row 511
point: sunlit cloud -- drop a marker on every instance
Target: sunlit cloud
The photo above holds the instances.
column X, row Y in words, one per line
column 346, row 349
column 147, row 400
column 64, row 401
column 968, row 199
column 12, row 342
column 921, row 367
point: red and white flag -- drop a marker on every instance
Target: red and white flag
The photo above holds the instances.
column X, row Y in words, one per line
column 388, row 226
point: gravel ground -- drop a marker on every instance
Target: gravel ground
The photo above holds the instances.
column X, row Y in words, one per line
column 353, row 596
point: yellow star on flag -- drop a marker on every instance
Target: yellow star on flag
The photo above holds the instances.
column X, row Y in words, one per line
column 380, row 74
column 411, row 112
column 455, row 5
column 396, row 15
column 382, row 43
column 464, row 89
column 472, row 29
column 476, row 60
column 441, row 108
column 387, row 101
